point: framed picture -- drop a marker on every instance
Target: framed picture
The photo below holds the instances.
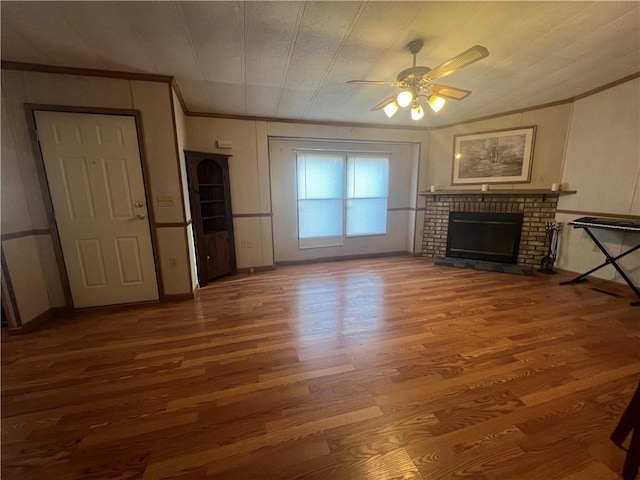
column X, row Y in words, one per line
column 499, row 156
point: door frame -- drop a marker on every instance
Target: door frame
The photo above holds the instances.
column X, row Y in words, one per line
column 30, row 109
column 8, row 296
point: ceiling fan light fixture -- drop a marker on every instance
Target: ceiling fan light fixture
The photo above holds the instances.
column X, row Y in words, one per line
column 404, row 98
column 391, row 108
column 417, row 81
column 416, row 111
column 436, row 103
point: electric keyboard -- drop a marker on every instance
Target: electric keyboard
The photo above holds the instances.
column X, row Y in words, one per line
column 626, row 225
column 608, row 223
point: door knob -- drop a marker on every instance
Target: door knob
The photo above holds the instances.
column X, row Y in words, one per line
column 139, row 204
column 141, row 216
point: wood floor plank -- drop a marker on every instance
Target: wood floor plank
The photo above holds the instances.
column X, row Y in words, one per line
column 369, row 369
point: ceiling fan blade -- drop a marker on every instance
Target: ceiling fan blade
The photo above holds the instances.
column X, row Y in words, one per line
column 473, row 54
column 384, row 103
column 448, row 92
column 374, row 82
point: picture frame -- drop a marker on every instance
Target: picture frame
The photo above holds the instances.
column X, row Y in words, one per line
column 496, row 156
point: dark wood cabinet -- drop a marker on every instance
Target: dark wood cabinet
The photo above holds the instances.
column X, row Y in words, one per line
column 210, row 200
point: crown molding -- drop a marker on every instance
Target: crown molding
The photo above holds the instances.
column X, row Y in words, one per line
column 544, row 105
column 35, row 67
column 306, row 122
column 87, row 72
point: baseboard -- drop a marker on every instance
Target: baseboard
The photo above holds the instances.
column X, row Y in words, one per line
column 611, row 287
column 343, row 258
column 39, row 321
column 258, row 269
column 179, row 297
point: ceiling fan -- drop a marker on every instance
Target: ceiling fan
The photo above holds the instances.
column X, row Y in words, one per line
column 415, row 82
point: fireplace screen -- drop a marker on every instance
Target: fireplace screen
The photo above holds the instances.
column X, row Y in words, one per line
column 493, row 237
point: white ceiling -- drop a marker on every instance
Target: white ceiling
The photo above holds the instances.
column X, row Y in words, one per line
column 292, row 59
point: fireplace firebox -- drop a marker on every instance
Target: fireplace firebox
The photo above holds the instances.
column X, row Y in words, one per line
column 493, row 237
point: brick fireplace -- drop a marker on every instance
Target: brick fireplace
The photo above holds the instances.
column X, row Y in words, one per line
column 537, row 207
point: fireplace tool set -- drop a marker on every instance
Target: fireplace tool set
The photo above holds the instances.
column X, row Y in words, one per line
column 553, row 231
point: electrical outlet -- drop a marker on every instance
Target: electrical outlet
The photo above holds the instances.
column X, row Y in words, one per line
column 249, row 244
column 173, row 262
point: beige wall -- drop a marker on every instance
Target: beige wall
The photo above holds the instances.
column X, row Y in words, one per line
column 23, row 207
column 27, row 277
column 181, row 134
column 603, row 164
column 600, row 133
column 28, row 257
column 419, row 138
column 252, row 185
column 601, row 136
column 402, row 195
column 552, row 124
column 35, row 289
column 249, row 181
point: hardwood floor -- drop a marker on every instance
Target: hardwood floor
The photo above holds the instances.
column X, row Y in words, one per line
column 370, row 369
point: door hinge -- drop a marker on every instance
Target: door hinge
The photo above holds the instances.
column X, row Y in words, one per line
column 37, row 136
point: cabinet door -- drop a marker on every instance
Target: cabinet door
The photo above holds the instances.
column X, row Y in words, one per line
column 217, row 255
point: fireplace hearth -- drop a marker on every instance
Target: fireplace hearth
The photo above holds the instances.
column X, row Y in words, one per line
column 484, row 266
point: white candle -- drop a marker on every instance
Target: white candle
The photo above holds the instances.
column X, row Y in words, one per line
column 555, row 187
column 485, row 187
column 433, row 188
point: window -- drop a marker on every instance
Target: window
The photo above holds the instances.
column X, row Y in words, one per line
column 320, row 200
column 367, row 190
column 338, row 193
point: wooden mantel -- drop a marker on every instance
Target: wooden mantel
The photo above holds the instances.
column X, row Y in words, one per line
column 522, row 191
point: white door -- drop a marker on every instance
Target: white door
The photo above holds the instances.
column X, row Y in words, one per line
column 95, row 179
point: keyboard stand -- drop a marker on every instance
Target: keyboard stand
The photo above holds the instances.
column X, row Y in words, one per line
column 609, row 261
